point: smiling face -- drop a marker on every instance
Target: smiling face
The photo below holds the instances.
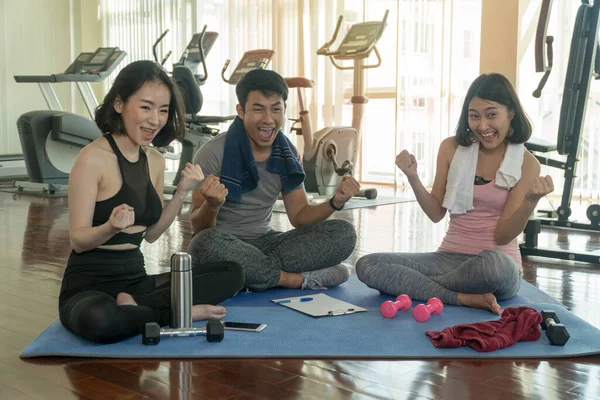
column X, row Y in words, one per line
column 263, row 117
column 145, row 113
column 489, row 121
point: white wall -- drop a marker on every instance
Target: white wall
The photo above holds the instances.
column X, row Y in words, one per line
column 499, row 37
column 36, row 40
column 3, row 66
column 41, row 37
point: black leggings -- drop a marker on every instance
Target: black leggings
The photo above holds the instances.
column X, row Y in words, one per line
column 87, row 303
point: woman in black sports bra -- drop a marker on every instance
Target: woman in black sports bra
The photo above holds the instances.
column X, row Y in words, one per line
column 115, row 203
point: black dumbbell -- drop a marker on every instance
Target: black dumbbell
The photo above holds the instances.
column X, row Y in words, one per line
column 214, row 332
column 555, row 331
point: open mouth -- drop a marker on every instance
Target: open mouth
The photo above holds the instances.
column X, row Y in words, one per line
column 488, row 137
column 147, row 133
column 266, row 134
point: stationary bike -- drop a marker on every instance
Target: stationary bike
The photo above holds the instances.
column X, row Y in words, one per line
column 199, row 129
column 332, row 151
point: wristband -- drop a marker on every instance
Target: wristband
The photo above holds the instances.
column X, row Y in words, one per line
column 333, row 205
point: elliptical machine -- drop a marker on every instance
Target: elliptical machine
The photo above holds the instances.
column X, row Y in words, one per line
column 199, row 129
column 51, row 140
column 332, row 151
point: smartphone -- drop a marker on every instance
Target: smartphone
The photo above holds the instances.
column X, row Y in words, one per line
column 244, row 326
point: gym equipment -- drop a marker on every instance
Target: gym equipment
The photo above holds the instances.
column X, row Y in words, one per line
column 332, row 151
column 557, row 333
column 181, row 307
column 541, row 65
column 214, row 332
column 368, row 194
column 584, row 62
column 390, row 308
column 51, row 140
column 253, row 59
column 12, row 166
column 198, row 128
column 422, row 312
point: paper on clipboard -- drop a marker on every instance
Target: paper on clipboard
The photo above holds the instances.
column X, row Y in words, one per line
column 321, row 305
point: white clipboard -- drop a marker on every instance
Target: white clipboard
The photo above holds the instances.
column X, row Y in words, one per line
column 319, row 305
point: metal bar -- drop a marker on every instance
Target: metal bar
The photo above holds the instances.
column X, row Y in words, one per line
column 560, row 254
column 88, row 97
column 50, row 96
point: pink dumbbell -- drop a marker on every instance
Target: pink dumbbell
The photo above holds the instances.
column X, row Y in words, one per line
column 390, row 308
column 422, row 312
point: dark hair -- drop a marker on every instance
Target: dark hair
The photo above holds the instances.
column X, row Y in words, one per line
column 494, row 87
column 266, row 81
column 130, row 80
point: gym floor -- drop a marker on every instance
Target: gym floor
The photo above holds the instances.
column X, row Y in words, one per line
column 34, row 244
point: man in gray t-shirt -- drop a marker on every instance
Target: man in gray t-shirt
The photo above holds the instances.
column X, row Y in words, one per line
column 246, row 169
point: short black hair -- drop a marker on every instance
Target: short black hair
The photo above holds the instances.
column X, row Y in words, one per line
column 266, row 81
column 129, row 80
column 494, row 87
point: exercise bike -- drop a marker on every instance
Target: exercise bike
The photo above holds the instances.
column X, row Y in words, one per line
column 199, row 129
column 331, row 152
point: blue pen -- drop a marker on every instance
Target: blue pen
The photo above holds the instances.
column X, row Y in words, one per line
column 300, row 300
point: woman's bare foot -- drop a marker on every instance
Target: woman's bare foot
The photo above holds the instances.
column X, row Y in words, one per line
column 125, row 299
column 207, row 311
column 486, row 301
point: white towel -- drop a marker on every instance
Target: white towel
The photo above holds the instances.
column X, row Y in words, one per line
column 509, row 172
column 461, row 175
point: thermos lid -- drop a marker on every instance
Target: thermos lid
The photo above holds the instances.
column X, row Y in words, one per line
column 181, row 261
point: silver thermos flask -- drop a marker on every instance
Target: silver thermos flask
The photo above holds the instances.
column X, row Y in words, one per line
column 181, row 290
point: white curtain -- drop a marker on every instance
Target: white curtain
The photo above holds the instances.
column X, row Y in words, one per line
column 430, row 52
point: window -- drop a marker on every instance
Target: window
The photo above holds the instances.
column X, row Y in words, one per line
column 418, row 147
column 467, row 44
column 415, row 94
column 426, row 106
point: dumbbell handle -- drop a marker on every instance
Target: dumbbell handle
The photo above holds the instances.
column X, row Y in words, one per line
column 548, row 322
column 390, row 308
column 433, row 309
column 367, row 193
column 182, row 332
column 422, row 312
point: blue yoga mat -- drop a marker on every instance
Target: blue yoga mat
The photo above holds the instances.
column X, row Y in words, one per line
column 291, row 334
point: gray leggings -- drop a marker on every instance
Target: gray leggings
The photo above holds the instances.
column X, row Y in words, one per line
column 311, row 247
column 441, row 274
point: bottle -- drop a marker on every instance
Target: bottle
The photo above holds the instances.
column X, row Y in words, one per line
column 181, row 290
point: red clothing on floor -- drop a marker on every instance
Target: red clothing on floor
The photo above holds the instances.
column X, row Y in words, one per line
column 519, row 324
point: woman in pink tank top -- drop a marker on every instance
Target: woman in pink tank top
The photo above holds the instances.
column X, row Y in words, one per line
column 478, row 262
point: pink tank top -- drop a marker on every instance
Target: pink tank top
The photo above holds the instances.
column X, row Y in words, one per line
column 473, row 232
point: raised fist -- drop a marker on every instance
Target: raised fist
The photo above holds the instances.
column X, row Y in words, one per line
column 541, row 186
column 191, row 176
column 214, row 191
column 407, row 163
column 122, row 217
column 347, row 188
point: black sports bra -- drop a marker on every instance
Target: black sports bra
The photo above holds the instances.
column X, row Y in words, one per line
column 137, row 191
column 480, row 181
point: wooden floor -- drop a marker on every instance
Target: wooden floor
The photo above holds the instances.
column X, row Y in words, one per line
column 34, row 246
